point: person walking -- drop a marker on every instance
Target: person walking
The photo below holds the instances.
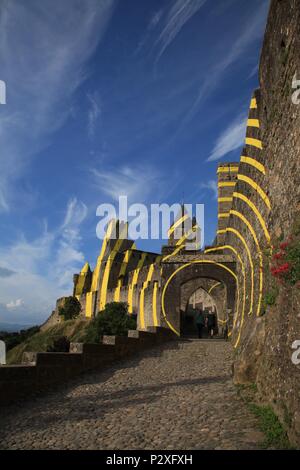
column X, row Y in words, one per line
column 211, row 323
column 200, row 322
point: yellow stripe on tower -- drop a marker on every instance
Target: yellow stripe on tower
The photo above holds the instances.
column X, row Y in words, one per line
column 109, row 263
column 252, row 231
column 228, row 169
column 223, row 215
column 225, row 199
column 177, row 223
column 118, row 291
column 240, row 236
column 134, row 282
column 101, row 256
column 226, row 184
column 254, row 142
column 253, row 123
column 154, row 304
column 257, row 188
column 142, row 295
column 122, row 272
column 89, row 305
column 256, row 211
column 253, row 104
column 254, row 163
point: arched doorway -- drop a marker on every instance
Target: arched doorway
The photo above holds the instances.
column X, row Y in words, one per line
column 200, row 300
column 175, row 275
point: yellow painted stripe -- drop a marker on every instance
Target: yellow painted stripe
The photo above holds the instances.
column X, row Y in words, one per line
column 174, row 252
column 134, row 282
column 254, row 142
column 215, row 285
column 253, row 104
column 253, row 123
column 85, row 268
column 180, row 269
column 225, row 199
column 223, row 322
column 107, row 269
column 223, row 215
column 180, row 244
column 226, row 184
column 228, row 169
column 186, row 235
column 118, row 291
column 240, row 236
column 256, row 211
column 257, row 188
column 177, row 223
column 252, row 231
column 154, row 304
column 142, row 295
column 122, row 272
column 89, row 305
column 254, row 163
column 100, row 257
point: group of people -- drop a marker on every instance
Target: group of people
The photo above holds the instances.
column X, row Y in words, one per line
column 205, row 321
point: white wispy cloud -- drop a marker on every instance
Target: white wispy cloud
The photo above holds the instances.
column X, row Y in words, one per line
column 231, row 139
column 42, row 268
column 135, row 183
column 211, row 185
column 94, row 111
column 179, row 14
column 15, row 303
column 44, row 50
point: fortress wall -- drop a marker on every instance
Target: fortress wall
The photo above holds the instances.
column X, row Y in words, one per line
column 264, row 338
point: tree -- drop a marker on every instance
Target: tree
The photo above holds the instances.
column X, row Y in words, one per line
column 113, row 320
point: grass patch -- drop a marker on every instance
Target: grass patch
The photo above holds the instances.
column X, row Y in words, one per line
column 275, row 435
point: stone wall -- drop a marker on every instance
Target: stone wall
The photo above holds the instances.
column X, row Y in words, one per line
column 263, row 335
column 40, row 371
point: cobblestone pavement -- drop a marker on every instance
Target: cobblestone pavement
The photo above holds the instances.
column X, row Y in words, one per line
column 177, row 396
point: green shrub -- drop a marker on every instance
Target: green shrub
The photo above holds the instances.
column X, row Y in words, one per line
column 61, row 344
column 70, row 309
column 270, row 297
column 113, row 320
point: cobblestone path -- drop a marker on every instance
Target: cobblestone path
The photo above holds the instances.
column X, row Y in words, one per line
column 177, row 396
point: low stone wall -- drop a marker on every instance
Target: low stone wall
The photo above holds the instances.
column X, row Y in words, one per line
column 39, row 371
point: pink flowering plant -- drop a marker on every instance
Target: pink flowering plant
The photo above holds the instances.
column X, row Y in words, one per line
column 286, row 263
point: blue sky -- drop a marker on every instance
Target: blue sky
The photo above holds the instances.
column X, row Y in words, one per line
column 108, row 98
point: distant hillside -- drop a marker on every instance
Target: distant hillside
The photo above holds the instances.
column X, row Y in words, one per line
column 13, row 327
column 39, row 342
